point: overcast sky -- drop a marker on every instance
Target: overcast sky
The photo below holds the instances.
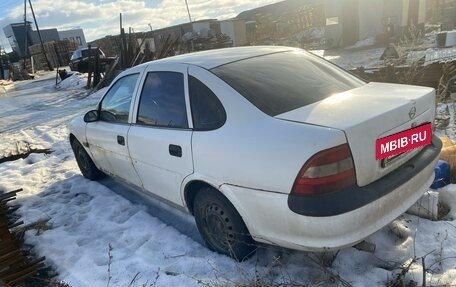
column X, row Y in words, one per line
column 99, row 18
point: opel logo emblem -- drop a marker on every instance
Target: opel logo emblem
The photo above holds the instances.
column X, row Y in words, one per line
column 412, row 112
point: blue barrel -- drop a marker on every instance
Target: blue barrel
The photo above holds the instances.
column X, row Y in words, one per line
column 442, row 174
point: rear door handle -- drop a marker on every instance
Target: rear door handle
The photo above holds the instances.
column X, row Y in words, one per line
column 175, row 150
column 121, row 140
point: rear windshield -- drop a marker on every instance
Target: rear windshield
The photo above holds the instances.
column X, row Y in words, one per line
column 281, row 82
column 85, row 52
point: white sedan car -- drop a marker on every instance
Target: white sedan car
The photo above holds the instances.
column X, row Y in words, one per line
column 266, row 144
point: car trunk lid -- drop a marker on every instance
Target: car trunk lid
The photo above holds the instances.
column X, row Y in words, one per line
column 367, row 113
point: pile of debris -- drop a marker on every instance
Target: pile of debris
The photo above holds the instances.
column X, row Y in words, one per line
column 205, row 40
column 417, row 61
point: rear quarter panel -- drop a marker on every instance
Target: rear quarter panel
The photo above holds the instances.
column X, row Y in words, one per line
column 253, row 149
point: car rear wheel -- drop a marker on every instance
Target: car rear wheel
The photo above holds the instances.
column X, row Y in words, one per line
column 85, row 163
column 221, row 226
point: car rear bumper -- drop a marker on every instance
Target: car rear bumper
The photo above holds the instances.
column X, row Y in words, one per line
column 354, row 197
column 270, row 220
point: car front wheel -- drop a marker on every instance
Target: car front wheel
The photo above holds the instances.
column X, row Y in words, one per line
column 85, row 163
column 221, row 226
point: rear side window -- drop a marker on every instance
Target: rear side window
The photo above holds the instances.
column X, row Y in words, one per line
column 281, row 82
column 162, row 101
column 207, row 111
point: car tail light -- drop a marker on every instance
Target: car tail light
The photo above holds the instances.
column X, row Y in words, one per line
column 328, row 170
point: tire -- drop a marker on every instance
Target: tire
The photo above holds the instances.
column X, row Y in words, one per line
column 85, row 163
column 221, row 226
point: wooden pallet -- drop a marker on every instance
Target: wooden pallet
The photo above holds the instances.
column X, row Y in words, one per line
column 15, row 266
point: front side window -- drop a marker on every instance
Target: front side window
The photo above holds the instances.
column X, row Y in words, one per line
column 162, row 101
column 115, row 106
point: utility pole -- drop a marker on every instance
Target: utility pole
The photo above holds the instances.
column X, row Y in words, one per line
column 25, row 32
column 188, row 11
column 122, row 43
column 41, row 40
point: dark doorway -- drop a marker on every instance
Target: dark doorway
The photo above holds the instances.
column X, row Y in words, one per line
column 350, row 22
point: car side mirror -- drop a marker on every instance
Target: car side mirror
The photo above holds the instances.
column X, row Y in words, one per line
column 91, row 116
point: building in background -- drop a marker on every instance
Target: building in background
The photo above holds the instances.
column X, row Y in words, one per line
column 197, row 35
column 446, row 13
column 18, row 35
column 4, row 69
column 276, row 9
column 344, row 22
column 235, row 29
column 290, row 22
column 75, row 36
column 174, row 32
column 348, row 21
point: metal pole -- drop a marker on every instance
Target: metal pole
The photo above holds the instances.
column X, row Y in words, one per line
column 2, row 74
column 122, row 44
column 41, row 40
column 120, row 16
column 188, row 11
column 25, row 31
column 89, row 67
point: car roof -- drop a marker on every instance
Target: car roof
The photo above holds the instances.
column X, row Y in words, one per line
column 214, row 58
column 85, row 48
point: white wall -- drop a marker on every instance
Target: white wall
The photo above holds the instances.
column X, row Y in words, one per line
column 75, row 35
column 370, row 18
column 147, row 42
column 235, row 29
column 198, row 26
column 333, row 29
column 240, row 32
column 422, row 12
column 227, row 27
column 405, row 10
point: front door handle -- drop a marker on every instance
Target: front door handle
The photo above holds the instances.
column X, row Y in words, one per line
column 175, row 150
column 121, row 140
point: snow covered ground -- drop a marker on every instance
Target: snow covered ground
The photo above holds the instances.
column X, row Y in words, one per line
column 102, row 234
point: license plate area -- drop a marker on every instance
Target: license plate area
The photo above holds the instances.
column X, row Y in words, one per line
column 391, row 159
column 393, row 147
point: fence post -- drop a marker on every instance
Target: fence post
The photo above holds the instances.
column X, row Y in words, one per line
column 89, row 77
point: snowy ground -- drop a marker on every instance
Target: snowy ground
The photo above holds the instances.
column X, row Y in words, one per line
column 89, row 222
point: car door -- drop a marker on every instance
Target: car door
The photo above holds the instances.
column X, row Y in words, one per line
column 107, row 137
column 160, row 139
